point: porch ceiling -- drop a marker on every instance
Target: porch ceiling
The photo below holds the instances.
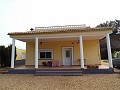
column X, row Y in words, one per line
column 59, row 38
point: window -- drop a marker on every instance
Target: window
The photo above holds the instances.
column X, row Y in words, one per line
column 67, row 53
column 45, row 54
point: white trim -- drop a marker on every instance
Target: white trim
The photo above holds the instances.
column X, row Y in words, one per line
column 46, row 50
column 36, row 52
column 61, row 27
column 13, row 53
column 63, row 55
column 72, row 36
column 81, row 51
column 109, row 51
column 49, row 37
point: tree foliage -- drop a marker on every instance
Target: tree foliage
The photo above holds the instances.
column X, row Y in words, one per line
column 114, row 36
column 2, row 55
column 114, row 24
column 5, row 55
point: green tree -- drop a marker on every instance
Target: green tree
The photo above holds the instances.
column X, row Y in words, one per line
column 5, row 55
column 114, row 37
column 114, row 24
column 2, row 56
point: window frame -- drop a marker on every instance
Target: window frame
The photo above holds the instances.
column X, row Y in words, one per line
column 45, row 50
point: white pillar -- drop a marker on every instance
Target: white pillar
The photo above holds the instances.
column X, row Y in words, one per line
column 13, row 53
column 81, row 51
column 36, row 52
column 109, row 51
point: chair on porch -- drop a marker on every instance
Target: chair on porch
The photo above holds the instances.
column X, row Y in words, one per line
column 56, row 63
column 44, row 64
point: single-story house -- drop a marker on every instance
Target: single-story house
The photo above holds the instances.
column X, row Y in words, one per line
column 69, row 45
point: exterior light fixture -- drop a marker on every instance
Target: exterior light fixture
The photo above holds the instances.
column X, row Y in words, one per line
column 78, row 42
column 41, row 42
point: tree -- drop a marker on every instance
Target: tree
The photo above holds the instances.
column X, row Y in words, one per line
column 114, row 24
column 116, row 27
column 114, row 37
column 5, row 55
column 2, row 50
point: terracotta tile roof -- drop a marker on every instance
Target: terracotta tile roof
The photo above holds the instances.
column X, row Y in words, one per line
column 46, row 31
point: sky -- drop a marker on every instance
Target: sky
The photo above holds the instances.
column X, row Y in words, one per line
column 21, row 15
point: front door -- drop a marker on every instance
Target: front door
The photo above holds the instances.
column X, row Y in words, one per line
column 67, row 56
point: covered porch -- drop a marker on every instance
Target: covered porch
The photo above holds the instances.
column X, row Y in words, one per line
column 73, row 40
column 71, row 48
column 69, row 45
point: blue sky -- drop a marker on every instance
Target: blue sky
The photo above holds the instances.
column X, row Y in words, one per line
column 21, row 15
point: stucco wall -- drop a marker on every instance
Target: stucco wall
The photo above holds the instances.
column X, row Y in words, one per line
column 91, row 51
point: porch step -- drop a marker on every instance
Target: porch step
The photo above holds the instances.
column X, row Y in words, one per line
column 98, row 71
column 58, row 72
column 3, row 71
column 21, row 71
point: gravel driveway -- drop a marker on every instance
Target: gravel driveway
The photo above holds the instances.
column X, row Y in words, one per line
column 85, row 82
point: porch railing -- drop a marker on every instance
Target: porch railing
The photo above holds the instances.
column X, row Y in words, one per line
column 61, row 27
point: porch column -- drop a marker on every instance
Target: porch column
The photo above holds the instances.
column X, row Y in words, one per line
column 36, row 52
column 81, row 51
column 109, row 51
column 13, row 53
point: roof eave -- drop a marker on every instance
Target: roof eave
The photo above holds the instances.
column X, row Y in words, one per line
column 61, row 31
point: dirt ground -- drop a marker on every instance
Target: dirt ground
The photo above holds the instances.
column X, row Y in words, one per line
column 85, row 82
